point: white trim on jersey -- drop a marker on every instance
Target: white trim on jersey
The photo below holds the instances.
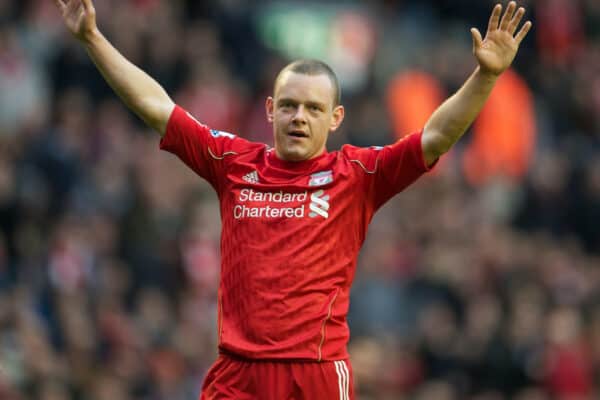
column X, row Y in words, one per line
column 365, row 168
column 343, row 379
column 227, row 153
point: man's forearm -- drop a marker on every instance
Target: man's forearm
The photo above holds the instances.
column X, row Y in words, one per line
column 142, row 94
column 450, row 121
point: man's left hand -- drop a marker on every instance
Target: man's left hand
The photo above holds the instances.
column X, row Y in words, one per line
column 497, row 50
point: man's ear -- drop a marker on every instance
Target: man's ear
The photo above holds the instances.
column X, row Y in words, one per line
column 337, row 118
column 269, row 109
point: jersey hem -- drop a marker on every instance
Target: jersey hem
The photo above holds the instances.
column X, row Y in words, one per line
column 226, row 353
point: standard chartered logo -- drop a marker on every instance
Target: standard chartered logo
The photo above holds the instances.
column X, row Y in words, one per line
column 280, row 204
column 319, row 204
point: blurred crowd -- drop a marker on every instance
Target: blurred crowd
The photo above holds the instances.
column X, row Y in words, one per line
column 109, row 249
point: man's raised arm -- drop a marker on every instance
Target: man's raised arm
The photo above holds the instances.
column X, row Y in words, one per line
column 494, row 54
column 142, row 94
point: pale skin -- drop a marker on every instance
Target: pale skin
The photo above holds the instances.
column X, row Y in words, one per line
column 142, row 94
column 494, row 54
column 302, row 109
column 302, row 104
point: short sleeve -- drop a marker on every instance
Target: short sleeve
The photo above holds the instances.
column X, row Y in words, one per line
column 399, row 165
column 390, row 169
column 202, row 149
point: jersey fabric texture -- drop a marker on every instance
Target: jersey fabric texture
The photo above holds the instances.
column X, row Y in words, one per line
column 291, row 233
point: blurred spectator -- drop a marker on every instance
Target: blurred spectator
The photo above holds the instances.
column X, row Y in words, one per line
column 24, row 89
column 480, row 283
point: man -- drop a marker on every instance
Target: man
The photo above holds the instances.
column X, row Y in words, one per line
column 294, row 217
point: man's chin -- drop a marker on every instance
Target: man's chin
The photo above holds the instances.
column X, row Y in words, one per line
column 294, row 155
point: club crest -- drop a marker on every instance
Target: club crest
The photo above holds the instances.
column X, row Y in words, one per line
column 321, row 178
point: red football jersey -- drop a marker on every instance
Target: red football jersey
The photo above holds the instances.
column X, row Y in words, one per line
column 291, row 233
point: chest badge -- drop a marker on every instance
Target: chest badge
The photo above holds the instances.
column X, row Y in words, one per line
column 321, row 178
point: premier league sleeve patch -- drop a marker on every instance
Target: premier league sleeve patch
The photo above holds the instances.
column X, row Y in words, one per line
column 321, row 178
column 216, row 133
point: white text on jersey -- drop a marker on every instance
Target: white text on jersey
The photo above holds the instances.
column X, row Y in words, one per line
column 319, row 204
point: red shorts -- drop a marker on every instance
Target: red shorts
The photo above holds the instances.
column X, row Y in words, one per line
column 235, row 379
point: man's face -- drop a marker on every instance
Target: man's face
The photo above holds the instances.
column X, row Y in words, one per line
column 303, row 114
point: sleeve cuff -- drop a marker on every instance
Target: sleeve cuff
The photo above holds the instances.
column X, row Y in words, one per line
column 423, row 162
column 169, row 135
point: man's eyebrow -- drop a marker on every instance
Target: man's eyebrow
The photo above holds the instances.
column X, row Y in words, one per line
column 315, row 103
column 286, row 100
column 308, row 103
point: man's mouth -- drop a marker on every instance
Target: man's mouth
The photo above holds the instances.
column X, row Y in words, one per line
column 298, row 134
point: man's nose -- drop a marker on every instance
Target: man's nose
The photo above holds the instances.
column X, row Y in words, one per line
column 300, row 115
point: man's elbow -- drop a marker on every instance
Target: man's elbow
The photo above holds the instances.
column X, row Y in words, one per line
column 156, row 113
column 435, row 144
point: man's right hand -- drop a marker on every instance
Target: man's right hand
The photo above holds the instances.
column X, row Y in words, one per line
column 142, row 94
column 79, row 17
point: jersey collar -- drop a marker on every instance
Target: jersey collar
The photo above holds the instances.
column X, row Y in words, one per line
column 296, row 166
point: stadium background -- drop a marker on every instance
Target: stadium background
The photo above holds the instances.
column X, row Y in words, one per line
column 480, row 282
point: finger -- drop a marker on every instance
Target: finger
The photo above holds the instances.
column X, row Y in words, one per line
column 495, row 18
column 512, row 27
column 88, row 5
column 73, row 7
column 60, row 4
column 506, row 18
column 477, row 40
column 523, row 32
